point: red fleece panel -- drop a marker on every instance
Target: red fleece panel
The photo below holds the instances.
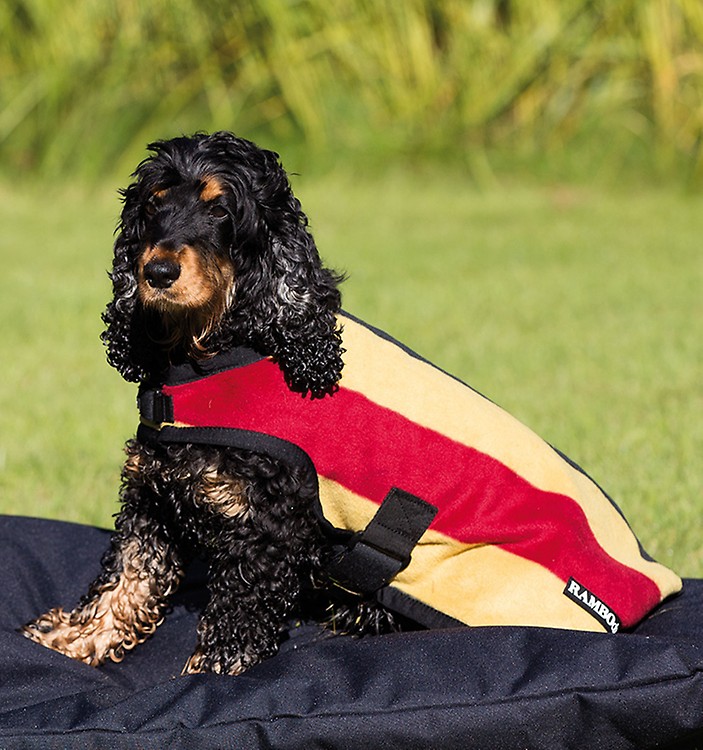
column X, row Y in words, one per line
column 369, row 448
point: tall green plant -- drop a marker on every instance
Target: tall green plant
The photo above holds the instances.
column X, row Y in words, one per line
column 85, row 84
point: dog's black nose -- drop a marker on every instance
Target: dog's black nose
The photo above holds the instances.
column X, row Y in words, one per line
column 161, row 274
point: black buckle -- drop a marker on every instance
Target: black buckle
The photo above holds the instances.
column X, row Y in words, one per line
column 155, row 406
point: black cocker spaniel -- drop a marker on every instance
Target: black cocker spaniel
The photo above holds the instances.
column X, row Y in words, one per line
column 212, row 253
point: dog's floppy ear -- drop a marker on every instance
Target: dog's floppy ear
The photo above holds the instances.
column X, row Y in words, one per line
column 294, row 298
column 127, row 349
column 307, row 341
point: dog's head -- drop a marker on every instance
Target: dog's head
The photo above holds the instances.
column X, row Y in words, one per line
column 213, row 251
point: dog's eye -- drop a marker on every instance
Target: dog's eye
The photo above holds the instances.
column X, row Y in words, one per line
column 218, row 212
column 150, row 207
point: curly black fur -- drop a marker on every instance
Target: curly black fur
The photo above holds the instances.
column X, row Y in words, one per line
column 248, row 515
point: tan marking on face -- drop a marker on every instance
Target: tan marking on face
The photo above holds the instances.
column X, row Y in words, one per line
column 201, row 280
column 193, row 305
column 197, row 285
column 211, row 189
column 125, row 613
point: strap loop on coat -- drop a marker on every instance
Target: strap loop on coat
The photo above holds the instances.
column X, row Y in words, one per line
column 376, row 555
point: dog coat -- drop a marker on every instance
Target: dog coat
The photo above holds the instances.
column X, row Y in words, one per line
column 439, row 502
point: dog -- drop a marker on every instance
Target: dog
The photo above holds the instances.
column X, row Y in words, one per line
column 317, row 465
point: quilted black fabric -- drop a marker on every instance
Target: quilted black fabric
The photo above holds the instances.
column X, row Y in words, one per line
column 497, row 688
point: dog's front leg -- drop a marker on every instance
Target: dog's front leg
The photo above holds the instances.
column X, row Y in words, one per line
column 237, row 629
column 126, row 603
column 250, row 599
column 122, row 608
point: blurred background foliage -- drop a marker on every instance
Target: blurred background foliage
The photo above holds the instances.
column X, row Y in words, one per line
column 603, row 87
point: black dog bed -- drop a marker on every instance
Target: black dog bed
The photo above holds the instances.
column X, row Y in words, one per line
column 498, row 688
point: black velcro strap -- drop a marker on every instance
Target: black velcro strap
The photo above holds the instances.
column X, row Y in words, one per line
column 377, row 554
column 155, row 406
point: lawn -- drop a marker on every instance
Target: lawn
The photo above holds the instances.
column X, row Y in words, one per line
column 577, row 309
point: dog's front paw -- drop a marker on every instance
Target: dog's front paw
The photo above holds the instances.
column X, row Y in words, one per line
column 67, row 633
column 44, row 628
column 202, row 663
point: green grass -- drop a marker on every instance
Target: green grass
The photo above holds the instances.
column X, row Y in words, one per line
column 577, row 310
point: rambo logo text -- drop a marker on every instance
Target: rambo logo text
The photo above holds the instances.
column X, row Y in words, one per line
column 591, row 603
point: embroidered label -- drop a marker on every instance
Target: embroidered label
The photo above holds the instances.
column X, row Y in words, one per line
column 592, row 604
